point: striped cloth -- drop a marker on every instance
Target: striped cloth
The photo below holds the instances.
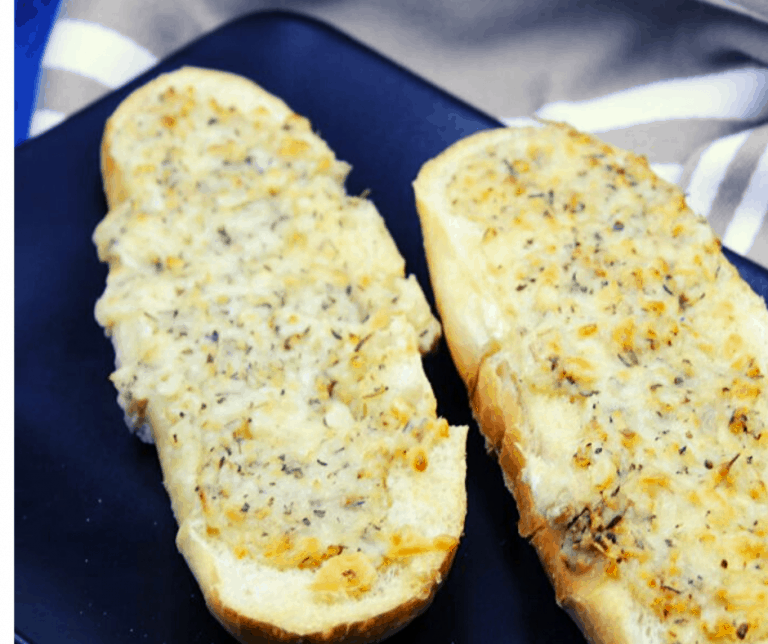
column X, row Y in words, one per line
column 683, row 82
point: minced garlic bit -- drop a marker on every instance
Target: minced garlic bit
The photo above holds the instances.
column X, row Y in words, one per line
column 646, row 363
column 260, row 316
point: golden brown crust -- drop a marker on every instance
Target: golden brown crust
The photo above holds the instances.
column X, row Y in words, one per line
column 498, row 412
column 377, row 628
column 583, row 594
column 113, row 185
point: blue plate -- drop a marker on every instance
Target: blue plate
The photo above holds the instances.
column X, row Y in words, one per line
column 95, row 559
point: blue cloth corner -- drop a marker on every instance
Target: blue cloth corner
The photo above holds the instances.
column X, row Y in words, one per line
column 33, row 22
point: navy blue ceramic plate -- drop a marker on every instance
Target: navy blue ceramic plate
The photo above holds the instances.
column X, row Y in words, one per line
column 95, row 559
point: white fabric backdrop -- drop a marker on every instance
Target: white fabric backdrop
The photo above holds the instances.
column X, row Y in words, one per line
column 685, row 83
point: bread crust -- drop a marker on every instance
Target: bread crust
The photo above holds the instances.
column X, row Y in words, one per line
column 375, row 629
column 249, row 630
column 386, row 613
column 584, row 595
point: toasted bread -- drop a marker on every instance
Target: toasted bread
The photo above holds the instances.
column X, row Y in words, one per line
column 268, row 343
column 616, row 364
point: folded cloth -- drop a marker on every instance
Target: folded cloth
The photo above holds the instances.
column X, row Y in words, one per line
column 685, row 83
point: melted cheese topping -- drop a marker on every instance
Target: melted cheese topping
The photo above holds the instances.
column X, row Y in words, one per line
column 641, row 359
column 264, row 329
